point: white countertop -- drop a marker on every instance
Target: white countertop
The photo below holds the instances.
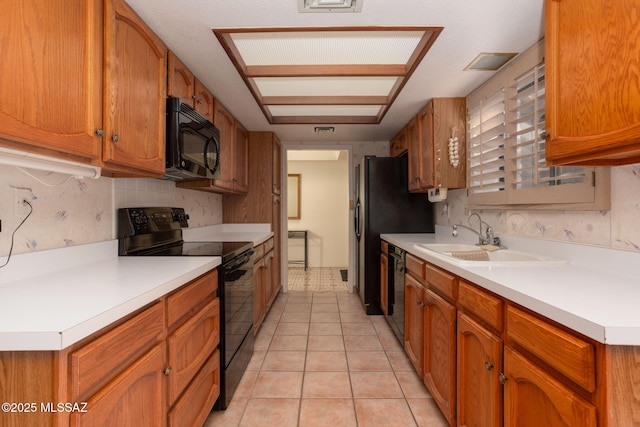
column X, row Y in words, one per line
column 256, row 233
column 596, row 292
column 52, row 299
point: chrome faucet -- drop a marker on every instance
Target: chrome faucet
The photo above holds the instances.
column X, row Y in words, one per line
column 488, row 238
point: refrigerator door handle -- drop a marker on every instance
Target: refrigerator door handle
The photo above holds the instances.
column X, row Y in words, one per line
column 356, row 219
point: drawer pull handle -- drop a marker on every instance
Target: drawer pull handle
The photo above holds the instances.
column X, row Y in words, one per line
column 488, row 366
column 502, row 378
column 167, row 371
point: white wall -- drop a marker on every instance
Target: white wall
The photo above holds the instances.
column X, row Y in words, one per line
column 324, row 205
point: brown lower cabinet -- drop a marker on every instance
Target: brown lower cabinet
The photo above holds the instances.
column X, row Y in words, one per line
column 266, row 286
column 439, row 372
column 159, row 366
column 489, row 362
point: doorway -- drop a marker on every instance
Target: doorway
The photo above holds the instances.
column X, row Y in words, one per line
column 318, row 237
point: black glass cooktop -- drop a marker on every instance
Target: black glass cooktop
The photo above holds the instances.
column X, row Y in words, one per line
column 226, row 250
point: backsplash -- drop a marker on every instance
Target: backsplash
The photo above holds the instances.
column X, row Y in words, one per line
column 69, row 211
column 616, row 229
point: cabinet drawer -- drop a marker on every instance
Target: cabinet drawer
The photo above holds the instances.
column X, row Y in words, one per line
column 567, row 353
column 194, row 406
column 415, row 266
column 190, row 296
column 103, row 358
column 259, row 251
column 486, row 307
column 135, row 397
column 384, row 247
column 441, row 280
column 268, row 245
column 191, row 345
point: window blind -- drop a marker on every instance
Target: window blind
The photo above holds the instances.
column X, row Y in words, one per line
column 486, row 149
column 506, row 144
column 528, row 138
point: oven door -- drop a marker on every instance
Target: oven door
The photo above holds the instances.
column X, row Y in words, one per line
column 236, row 315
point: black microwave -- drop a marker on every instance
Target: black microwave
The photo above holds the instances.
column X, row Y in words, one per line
column 193, row 144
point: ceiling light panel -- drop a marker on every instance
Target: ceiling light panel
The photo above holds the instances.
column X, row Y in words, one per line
column 325, row 86
column 327, row 47
column 326, row 75
column 324, row 110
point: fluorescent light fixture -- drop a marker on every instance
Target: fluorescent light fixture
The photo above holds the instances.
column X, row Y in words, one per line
column 23, row 159
column 313, row 155
column 486, row 61
column 329, row 6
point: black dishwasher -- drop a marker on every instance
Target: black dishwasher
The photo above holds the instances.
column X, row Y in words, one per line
column 396, row 291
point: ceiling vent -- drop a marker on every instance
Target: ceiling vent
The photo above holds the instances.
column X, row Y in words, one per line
column 330, row 6
column 324, row 129
column 489, row 61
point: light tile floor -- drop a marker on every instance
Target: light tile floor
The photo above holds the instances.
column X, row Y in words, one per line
column 317, row 279
column 319, row 360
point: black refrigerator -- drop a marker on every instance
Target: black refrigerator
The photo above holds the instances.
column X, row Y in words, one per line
column 384, row 205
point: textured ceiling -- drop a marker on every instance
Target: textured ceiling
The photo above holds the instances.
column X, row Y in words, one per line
column 470, row 27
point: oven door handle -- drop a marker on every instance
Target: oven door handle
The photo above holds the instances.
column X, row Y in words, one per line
column 396, row 256
column 239, row 261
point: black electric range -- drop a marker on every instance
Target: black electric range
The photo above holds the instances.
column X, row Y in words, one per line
column 157, row 231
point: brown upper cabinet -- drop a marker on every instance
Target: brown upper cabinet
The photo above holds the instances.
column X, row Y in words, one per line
column 593, row 86
column 52, row 65
column 135, row 93
column 70, row 80
column 399, row 144
column 428, row 136
column 181, row 83
column 234, row 156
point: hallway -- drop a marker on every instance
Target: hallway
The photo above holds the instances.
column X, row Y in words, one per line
column 320, row 361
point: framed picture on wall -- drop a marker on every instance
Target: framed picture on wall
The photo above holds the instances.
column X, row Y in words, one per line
column 293, row 196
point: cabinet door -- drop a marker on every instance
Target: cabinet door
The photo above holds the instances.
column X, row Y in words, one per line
column 533, row 398
column 479, row 364
column 135, row 96
column 241, row 159
column 134, row 398
column 180, row 80
column 440, row 353
column 384, row 284
column 276, row 214
column 51, row 72
column 258, row 294
column 398, row 144
column 414, row 323
column 272, row 287
column 191, row 345
column 593, row 89
column 195, row 404
column 277, row 168
column 419, row 173
column 224, row 121
column 203, row 100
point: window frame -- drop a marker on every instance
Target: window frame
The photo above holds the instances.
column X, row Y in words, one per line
column 592, row 194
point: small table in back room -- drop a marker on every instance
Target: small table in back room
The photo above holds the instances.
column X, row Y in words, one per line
column 301, row 234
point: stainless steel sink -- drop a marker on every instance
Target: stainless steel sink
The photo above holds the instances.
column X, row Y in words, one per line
column 473, row 255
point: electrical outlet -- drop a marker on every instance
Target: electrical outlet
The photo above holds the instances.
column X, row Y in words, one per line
column 21, row 209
